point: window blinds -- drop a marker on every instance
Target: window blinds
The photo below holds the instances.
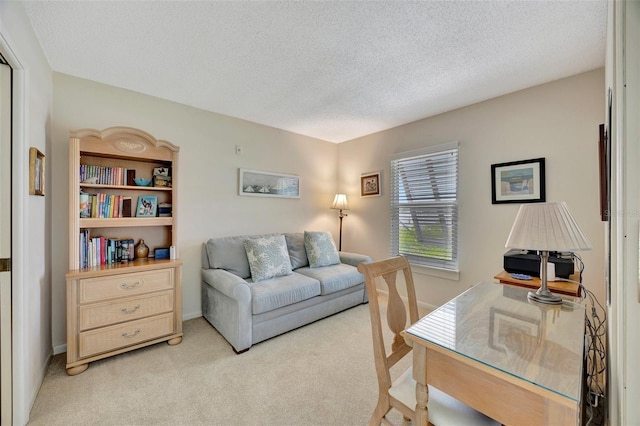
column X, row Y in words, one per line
column 424, row 206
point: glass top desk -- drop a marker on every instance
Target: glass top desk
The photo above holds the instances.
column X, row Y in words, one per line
column 516, row 361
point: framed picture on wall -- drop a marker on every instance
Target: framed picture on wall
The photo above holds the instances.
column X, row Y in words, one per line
column 370, row 184
column 36, row 172
column 518, row 182
column 257, row 183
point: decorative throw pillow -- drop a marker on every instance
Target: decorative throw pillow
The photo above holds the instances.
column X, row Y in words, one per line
column 268, row 257
column 297, row 252
column 321, row 250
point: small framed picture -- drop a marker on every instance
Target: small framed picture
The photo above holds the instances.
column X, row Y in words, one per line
column 518, row 182
column 147, row 206
column 161, row 171
column 36, row 172
column 370, row 184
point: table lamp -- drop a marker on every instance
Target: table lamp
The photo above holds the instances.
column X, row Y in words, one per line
column 546, row 227
column 340, row 203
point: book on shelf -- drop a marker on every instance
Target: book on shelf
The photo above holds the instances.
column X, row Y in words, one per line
column 101, row 205
column 104, row 175
column 99, row 250
column 164, row 210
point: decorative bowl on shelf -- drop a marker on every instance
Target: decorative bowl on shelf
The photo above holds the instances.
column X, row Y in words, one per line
column 142, row 182
column 92, row 180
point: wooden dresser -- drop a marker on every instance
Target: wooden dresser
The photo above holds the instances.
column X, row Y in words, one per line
column 117, row 302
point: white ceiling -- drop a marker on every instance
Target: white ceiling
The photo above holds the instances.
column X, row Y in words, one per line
column 333, row 70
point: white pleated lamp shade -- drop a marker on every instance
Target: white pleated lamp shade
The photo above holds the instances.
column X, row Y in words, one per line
column 340, row 202
column 547, row 226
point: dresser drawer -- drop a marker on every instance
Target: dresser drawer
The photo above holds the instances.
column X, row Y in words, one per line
column 118, row 336
column 103, row 288
column 121, row 310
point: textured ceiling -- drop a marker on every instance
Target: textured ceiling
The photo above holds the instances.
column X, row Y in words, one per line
column 334, row 70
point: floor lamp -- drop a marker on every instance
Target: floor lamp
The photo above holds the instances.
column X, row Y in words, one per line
column 340, row 203
column 546, row 227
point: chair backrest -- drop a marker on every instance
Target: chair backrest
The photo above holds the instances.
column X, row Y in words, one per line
column 396, row 313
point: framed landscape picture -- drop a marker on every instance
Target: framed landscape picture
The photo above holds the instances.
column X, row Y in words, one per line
column 518, row 182
column 147, row 206
column 256, row 183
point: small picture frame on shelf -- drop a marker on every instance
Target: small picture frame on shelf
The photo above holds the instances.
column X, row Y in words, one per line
column 162, row 181
column 131, row 176
column 161, row 171
column 147, row 206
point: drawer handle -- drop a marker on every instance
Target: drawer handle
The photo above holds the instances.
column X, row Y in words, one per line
column 130, row 311
column 126, row 335
column 127, row 286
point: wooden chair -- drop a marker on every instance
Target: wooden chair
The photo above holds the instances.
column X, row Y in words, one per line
column 401, row 394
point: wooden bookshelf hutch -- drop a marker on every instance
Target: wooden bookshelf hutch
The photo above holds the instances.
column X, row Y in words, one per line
column 121, row 305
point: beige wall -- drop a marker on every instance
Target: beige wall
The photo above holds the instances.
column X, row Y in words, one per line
column 558, row 121
column 209, row 202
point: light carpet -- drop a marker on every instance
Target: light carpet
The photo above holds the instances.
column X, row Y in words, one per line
column 320, row 374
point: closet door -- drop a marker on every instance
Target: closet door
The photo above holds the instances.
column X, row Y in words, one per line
column 5, row 246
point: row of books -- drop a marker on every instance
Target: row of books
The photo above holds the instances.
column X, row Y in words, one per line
column 104, row 205
column 107, row 175
column 95, row 251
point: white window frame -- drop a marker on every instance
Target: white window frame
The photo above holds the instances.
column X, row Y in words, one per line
column 427, row 206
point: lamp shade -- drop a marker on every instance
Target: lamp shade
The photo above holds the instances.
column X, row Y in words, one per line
column 340, row 202
column 547, row 226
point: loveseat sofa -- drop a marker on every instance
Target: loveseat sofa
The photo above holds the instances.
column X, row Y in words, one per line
column 255, row 287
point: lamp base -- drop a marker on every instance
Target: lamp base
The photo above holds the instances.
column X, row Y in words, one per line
column 544, row 296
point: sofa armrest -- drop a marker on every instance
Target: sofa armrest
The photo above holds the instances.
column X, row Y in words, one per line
column 353, row 259
column 226, row 304
column 204, row 257
column 227, row 283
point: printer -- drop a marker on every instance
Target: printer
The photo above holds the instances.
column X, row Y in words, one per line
column 528, row 262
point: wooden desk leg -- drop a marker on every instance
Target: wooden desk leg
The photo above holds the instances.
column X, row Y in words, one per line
column 422, row 390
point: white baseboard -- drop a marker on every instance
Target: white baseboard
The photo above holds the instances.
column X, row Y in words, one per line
column 191, row 315
column 59, row 349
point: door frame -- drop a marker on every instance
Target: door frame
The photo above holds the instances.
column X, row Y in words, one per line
column 21, row 405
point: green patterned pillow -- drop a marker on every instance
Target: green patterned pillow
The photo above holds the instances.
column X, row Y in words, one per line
column 268, row 257
column 321, row 249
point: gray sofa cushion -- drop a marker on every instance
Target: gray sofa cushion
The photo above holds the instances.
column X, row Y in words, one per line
column 282, row 291
column 297, row 252
column 334, row 278
column 229, row 253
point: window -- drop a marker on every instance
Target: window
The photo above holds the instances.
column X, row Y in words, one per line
column 424, row 206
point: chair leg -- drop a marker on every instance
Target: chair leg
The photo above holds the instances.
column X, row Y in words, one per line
column 381, row 410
